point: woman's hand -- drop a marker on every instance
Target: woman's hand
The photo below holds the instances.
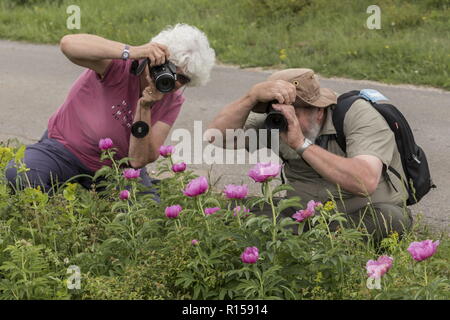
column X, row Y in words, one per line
column 150, row 95
column 156, row 52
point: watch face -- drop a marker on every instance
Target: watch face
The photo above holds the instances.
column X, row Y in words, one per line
column 125, row 55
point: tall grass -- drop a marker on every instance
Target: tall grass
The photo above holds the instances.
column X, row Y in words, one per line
column 331, row 37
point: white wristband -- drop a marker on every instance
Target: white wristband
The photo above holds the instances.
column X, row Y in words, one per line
column 303, row 147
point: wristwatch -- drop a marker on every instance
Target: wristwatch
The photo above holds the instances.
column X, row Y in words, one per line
column 126, row 52
column 303, row 147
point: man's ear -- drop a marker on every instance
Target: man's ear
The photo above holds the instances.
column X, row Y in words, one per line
column 321, row 114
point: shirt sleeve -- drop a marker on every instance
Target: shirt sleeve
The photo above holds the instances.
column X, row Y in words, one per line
column 172, row 109
column 367, row 133
column 255, row 121
column 117, row 71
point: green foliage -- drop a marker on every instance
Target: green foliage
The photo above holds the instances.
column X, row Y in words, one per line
column 13, row 3
column 267, row 9
column 131, row 250
column 27, row 273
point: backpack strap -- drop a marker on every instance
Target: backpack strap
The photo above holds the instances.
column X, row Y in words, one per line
column 344, row 102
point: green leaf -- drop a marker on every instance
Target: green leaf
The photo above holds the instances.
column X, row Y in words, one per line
column 287, row 203
column 101, row 172
column 20, row 153
column 213, row 202
column 282, row 187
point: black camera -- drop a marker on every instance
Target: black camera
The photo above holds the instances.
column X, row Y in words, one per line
column 164, row 75
column 275, row 119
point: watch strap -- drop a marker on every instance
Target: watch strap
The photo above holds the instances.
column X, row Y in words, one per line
column 303, row 147
column 126, row 52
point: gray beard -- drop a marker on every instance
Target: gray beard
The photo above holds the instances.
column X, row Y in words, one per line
column 313, row 133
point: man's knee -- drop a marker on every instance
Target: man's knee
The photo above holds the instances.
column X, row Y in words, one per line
column 394, row 218
column 382, row 219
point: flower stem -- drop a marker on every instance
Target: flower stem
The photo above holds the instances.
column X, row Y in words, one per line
column 200, row 207
column 425, row 274
column 268, row 195
column 238, row 212
column 328, row 229
column 113, row 162
column 261, row 282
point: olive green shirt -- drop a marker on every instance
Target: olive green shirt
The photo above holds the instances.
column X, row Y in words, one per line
column 367, row 133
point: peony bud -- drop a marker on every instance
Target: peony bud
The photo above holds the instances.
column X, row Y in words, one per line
column 250, row 255
column 196, row 187
column 173, row 211
column 105, row 144
column 263, row 172
column 236, row 192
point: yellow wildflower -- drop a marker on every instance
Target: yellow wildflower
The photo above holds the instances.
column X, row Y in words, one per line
column 329, row 205
column 283, row 54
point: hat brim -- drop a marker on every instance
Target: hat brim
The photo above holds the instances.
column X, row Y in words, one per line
column 327, row 97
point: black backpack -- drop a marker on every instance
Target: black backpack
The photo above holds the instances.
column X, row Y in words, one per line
column 413, row 158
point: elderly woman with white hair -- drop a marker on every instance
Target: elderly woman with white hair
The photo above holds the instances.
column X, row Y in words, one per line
column 108, row 99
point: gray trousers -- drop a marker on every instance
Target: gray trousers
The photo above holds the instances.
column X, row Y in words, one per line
column 379, row 219
column 51, row 164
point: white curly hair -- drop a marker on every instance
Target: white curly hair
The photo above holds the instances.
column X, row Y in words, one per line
column 189, row 50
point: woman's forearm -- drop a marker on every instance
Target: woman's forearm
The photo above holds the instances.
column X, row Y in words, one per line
column 92, row 47
column 142, row 150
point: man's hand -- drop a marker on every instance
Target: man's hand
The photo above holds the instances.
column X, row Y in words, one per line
column 156, row 52
column 280, row 90
column 294, row 136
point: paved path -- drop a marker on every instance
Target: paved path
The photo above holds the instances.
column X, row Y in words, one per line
column 34, row 80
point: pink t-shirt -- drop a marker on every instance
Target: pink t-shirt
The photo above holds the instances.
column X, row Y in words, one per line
column 98, row 108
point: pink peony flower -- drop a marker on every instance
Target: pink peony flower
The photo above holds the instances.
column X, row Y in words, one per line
column 179, row 167
column 166, row 151
column 194, row 242
column 105, row 144
column 237, row 210
column 236, row 192
column 124, row 194
column 301, row 215
column 262, row 172
column 173, row 211
column 250, row 255
column 377, row 268
column 209, row 211
column 196, row 187
column 131, row 173
column 423, row 249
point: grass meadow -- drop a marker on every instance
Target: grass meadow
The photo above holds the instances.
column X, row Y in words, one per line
column 330, row 37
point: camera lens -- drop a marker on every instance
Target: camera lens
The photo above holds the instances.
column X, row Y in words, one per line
column 165, row 83
column 276, row 120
